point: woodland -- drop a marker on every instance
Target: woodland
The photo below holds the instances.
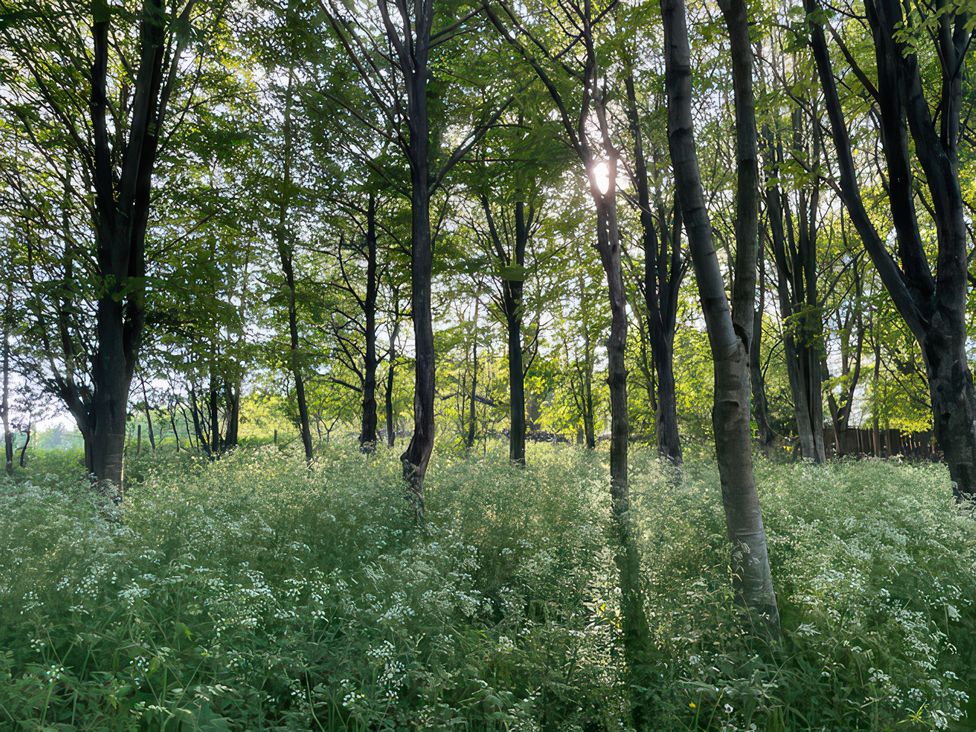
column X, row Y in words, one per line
column 487, row 365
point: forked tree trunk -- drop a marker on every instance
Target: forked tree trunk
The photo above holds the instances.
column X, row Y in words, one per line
column 794, row 245
column 122, row 203
column 417, row 455
column 729, row 338
column 934, row 308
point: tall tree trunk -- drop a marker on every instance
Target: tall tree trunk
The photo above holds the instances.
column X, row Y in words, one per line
column 367, row 433
column 213, row 412
column 122, row 202
column 516, row 388
column 198, row 425
column 934, row 308
column 663, row 271
column 176, row 432
column 286, row 254
column 8, row 436
column 390, row 382
column 729, row 336
column 586, row 379
column 635, row 629
column 149, row 423
column 232, row 413
column 512, row 303
column 795, row 257
column 760, row 406
column 417, row 455
column 473, row 396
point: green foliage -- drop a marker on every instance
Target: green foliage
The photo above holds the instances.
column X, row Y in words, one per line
column 249, row 594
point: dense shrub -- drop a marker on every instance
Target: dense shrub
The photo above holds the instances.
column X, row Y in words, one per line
column 250, row 594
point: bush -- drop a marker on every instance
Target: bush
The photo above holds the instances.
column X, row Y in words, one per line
column 250, row 594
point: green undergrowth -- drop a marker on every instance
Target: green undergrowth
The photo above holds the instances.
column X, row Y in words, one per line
column 250, row 594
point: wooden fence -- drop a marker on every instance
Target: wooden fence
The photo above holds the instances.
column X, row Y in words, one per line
column 882, row 443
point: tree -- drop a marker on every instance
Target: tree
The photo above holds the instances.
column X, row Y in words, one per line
column 664, row 270
column 397, row 82
column 933, row 306
column 582, row 106
column 116, row 143
column 794, row 245
column 729, row 332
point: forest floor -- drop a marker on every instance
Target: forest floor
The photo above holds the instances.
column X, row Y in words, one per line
column 247, row 594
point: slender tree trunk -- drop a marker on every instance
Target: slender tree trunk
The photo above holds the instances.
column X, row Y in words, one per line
column 149, row 423
column 512, row 302
column 589, row 419
column 213, row 411
column 473, row 397
column 367, row 434
column 176, row 432
column 635, row 628
column 191, row 434
column 8, row 437
column 286, row 254
column 795, row 257
column 760, row 406
column 198, row 425
column 390, row 382
column 729, row 336
column 656, row 286
column 23, row 448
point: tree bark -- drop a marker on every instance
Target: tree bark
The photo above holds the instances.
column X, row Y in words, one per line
column 148, row 411
column 794, row 245
column 473, row 396
column 729, row 334
column 8, row 436
column 176, row 432
column 286, row 255
column 390, row 382
column 23, row 448
column 122, row 204
column 412, row 48
column 512, row 302
column 760, row 406
column 516, row 388
column 663, row 272
column 933, row 308
column 367, row 433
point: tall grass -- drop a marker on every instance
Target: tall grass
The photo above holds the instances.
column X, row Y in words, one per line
column 249, row 594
